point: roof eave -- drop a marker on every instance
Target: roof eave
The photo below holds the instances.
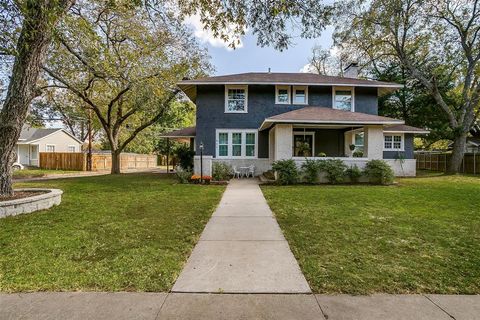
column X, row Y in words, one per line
column 267, row 123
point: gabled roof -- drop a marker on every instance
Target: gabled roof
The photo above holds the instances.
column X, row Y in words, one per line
column 403, row 128
column 322, row 115
column 29, row 134
column 188, row 132
column 282, row 78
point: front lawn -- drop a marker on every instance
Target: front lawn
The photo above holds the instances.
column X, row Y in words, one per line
column 421, row 236
column 129, row 232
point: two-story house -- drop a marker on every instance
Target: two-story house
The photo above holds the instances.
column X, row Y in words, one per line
column 257, row 118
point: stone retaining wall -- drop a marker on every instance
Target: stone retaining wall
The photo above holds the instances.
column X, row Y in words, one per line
column 43, row 201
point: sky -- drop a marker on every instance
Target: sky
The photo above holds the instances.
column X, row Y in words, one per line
column 249, row 57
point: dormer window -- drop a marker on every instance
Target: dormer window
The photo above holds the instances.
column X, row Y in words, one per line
column 300, row 95
column 282, row 94
column 343, row 98
column 236, row 98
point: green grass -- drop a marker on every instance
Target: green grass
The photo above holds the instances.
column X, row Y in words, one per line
column 36, row 173
column 421, row 236
column 111, row 233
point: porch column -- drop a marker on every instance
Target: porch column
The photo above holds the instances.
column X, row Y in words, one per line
column 283, row 141
column 373, row 142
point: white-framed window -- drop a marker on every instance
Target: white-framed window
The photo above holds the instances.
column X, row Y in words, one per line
column 358, row 141
column 300, row 95
column 282, row 94
column 236, row 99
column 71, row 148
column 236, row 143
column 50, row 148
column 343, row 98
column 34, row 152
column 303, row 144
column 393, row 142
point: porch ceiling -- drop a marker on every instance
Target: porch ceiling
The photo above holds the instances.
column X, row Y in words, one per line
column 328, row 116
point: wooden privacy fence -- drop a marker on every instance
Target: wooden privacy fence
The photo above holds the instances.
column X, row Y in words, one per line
column 100, row 161
column 439, row 161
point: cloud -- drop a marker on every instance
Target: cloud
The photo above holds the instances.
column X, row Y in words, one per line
column 206, row 35
column 308, row 68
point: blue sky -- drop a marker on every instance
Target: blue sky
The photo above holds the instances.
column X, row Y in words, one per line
column 250, row 57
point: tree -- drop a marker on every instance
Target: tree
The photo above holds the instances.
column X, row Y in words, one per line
column 270, row 21
column 436, row 42
column 322, row 61
column 38, row 19
column 123, row 66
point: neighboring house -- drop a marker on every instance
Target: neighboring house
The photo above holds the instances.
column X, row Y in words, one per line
column 258, row 118
column 32, row 141
column 472, row 145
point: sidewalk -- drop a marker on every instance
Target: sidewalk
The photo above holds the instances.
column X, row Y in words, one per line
column 242, row 249
column 191, row 306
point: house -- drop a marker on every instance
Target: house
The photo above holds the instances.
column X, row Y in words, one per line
column 32, row 141
column 472, row 145
column 257, row 118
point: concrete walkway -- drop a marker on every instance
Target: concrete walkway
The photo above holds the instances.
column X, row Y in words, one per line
column 242, row 249
column 194, row 306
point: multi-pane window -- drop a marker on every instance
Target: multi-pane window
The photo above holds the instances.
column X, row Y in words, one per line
column 236, row 99
column 71, row 148
column 300, row 95
column 223, row 144
column 358, row 141
column 343, row 99
column 232, row 143
column 236, row 144
column 282, row 95
column 50, row 148
column 393, row 142
column 250, row 144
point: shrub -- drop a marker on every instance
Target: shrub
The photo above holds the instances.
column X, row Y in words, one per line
column 185, row 156
column 183, row 176
column 335, row 170
column 286, row 170
column 357, row 154
column 379, row 172
column 321, row 154
column 354, row 173
column 310, row 169
column 221, row 171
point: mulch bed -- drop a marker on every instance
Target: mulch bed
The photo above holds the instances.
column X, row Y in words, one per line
column 21, row 195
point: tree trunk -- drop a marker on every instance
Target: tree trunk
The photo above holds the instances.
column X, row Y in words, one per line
column 115, row 162
column 32, row 44
column 458, row 152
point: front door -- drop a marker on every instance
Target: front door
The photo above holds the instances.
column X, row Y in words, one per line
column 303, row 145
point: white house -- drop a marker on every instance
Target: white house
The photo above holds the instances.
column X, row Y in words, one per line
column 32, row 141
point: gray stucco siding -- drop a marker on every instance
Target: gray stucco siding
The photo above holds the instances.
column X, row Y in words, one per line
column 261, row 104
column 408, row 149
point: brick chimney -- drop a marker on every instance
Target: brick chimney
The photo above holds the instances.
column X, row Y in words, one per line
column 351, row 71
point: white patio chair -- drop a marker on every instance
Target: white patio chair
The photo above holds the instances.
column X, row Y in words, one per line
column 251, row 171
column 236, row 173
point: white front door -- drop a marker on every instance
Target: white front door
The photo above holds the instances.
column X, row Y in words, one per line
column 24, row 154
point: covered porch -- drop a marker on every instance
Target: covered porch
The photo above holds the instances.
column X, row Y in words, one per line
column 325, row 133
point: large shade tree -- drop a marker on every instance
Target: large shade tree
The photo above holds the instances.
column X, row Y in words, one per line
column 123, row 66
column 26, row 29
column 437, row 43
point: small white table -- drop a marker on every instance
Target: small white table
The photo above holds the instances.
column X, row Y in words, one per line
column 244, row 171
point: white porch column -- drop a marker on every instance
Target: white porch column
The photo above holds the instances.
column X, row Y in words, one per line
column 373, row 142
column 348, row 142
column 283, row 141
column 271, row 144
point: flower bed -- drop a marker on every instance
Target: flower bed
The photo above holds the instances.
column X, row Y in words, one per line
column 40, row 200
